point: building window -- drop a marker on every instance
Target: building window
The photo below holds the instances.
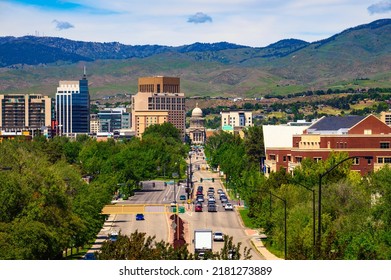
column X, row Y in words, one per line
column 384, row 145
column 298, row 159
column 284, row 158
column 367, row 131
column 317, row 159
column 272, row 157
column 356, row 161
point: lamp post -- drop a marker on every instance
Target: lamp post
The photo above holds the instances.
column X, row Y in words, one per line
column 189, row 177
column 285, row 231
column 319, row 241
column 313, row 215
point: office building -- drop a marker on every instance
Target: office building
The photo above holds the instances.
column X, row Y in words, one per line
column 235, row 121
column 73, row 107
column 158, row 100
column 113, row 119
column 23, row 112
column 386, row 117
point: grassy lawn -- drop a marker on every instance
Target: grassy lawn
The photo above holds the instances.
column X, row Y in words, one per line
column 248, row 222
column 77, row 255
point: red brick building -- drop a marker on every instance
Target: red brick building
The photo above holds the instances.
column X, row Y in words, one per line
column 355, row 135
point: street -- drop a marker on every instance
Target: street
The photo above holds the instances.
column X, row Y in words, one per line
column 159, row 224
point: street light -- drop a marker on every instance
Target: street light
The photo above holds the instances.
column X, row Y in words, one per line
column 283, row 200
column 189, row 177
column 313, row 215
column 320, row 197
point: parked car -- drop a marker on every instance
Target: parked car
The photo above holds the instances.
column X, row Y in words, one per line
column 218, row 236
column 139, row 217
column 229, row 207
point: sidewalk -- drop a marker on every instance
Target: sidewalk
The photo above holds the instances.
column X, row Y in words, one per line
column 102, row 236
column 258, row 244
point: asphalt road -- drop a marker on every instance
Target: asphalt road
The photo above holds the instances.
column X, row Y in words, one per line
column 159, row 225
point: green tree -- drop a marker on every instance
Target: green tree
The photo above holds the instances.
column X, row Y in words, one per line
column 254, row 143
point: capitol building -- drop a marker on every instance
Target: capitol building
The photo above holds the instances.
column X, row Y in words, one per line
column 196, row 130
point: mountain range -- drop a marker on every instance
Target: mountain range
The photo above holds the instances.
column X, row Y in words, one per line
column 355, row 58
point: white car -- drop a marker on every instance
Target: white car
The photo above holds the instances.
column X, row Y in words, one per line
column 229, row 207
column 218, row 236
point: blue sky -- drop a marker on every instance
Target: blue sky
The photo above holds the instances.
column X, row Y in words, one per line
column 256, row 23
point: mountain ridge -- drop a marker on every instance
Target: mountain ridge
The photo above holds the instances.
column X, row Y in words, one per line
column 358, row 57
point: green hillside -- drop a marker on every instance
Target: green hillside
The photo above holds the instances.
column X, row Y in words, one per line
column 357, row 57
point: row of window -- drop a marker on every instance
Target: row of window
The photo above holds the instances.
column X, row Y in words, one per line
column 168, row 100
column 356, row 161
column 342, row 145
column 67, row 91
column 169, row 107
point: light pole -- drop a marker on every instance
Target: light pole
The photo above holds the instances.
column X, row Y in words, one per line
column 313, row 215
column 319, row 241
column 283, row 200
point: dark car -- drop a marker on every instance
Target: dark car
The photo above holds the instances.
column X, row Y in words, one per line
column 89, row 256
column 139, row 217
column 182, row 197
column 198, row 208
column 212, row 207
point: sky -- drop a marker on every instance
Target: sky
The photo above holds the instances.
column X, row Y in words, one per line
column 255, row 23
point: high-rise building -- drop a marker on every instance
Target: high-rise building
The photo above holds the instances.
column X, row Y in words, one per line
column 24, row 112
column 73, row 107
column 158, row 100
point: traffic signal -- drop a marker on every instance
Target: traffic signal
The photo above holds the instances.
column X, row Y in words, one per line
column 201, row 180
column 213, row 180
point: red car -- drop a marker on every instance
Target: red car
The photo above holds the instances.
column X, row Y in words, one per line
column 198, row 208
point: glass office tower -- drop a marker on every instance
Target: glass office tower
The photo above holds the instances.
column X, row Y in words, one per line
column 73, row 107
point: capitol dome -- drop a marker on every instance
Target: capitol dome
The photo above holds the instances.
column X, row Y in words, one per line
column 197, row 112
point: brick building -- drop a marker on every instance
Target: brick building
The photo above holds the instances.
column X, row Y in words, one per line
column 356, row 135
